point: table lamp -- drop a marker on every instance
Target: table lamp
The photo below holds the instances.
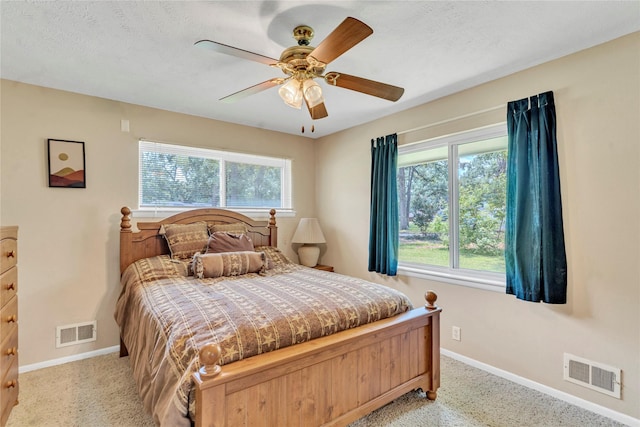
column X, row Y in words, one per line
column 309, row 234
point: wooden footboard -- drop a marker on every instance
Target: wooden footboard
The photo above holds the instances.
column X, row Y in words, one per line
column 329, row 381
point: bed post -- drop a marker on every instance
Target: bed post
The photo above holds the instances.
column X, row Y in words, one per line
column 273, row 229
column 125, row 255
column 431, row 298
column 125, row 238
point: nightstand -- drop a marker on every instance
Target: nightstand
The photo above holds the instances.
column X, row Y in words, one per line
column 324, row 267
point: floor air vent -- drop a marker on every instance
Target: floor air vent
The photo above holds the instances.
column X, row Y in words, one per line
column 75, row 334
column 593, row 375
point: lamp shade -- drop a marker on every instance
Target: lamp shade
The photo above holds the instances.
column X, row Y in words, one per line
column 308, row 231
column 291, row 94
column 312, row 93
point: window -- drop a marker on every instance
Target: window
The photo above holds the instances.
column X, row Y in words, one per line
column 452, row 206
column 176, row 176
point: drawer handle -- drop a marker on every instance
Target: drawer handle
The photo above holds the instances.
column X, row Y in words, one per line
column 11, row 287
column 11, row 384
column 11, row 254
column 12, row 319
column 12, row 351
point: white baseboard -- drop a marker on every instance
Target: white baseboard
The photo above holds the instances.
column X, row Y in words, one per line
column 566, row 397
column 62, row 360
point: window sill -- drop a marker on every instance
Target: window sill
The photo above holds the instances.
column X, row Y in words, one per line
column 259, row 213
column 479, row 280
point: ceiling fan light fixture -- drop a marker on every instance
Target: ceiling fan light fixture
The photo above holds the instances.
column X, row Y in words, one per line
column 312, row 93
column 291, row 94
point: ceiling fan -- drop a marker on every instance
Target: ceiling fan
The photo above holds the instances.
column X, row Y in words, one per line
column 304, row 63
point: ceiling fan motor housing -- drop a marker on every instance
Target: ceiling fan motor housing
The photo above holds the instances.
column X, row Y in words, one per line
column 295, row 62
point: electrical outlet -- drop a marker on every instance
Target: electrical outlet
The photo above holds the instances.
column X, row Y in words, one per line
column 455, row 333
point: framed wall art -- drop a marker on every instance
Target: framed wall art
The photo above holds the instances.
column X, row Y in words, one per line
column 66, row 163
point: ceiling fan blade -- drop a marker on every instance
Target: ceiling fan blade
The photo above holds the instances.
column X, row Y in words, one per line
column 234, row 51
column 251, row 90
column 359, row 84
column 346, row 35
column 317, row 112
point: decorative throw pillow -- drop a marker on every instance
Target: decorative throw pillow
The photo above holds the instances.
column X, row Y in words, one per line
column 160, row 267
column 185, row 239
column 275, row 258
column 235, row 228
column 228, row 264
column 228, row 242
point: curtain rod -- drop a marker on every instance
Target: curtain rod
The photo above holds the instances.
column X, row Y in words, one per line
column 464, row 116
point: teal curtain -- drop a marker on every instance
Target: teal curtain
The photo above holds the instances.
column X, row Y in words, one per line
column 383, row 226
column 536, row 263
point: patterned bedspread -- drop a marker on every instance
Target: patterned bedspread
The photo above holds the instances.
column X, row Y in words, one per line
column 166, row 316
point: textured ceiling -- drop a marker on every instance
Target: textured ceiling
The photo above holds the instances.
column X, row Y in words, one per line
column 142, row 52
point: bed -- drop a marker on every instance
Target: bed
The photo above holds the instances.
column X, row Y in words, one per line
column 332, row 379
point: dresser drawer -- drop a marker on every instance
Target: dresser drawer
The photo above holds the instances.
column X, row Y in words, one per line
column 9, row 392
column 8, row 353
column 9, row 319
column 8, row 285
column 8, row 253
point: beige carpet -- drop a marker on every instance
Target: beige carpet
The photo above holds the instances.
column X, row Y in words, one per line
column 100, row 392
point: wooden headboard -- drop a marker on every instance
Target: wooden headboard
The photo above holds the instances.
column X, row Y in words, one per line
column 147, row 242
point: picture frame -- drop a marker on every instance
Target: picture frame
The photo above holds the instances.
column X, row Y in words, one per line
column 66, row 163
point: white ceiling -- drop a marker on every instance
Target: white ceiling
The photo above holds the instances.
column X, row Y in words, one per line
column 142, row 52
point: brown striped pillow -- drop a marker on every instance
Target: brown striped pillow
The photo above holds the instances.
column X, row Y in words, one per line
column 234, row 228
column 186, row 239
column 228, row 264
column 275, row 257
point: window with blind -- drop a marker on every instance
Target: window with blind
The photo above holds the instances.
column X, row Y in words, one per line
column 174, row 176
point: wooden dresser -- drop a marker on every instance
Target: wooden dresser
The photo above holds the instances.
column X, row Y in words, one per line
column 8, row 321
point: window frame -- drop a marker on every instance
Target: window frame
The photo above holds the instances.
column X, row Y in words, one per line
column 453, row 274
column 286, row 197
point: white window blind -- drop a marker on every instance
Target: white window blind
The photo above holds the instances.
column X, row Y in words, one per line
column 177, row 176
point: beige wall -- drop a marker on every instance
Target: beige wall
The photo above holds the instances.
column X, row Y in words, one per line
column 68, row 238
column 597, row 94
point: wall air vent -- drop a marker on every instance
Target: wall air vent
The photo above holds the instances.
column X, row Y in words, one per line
column 593, row 375
column 76, row 334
